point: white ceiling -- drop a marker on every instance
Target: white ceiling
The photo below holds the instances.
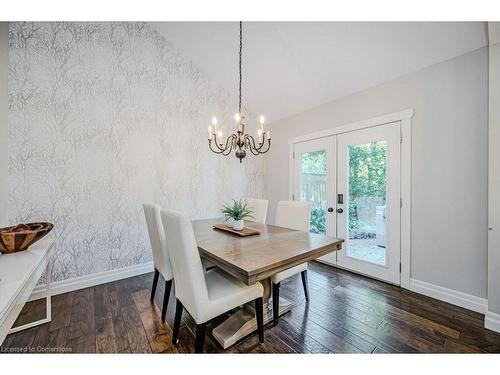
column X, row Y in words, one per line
column 289, row 67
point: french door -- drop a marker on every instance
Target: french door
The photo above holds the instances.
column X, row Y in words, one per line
column 353, row 183
column 315, row 171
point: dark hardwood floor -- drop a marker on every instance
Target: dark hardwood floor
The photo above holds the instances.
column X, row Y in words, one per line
column 347, row 313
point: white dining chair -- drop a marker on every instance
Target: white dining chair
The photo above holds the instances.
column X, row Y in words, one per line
column 205, row 295
column 259, row 209
column 293, row 215
column 161, row 257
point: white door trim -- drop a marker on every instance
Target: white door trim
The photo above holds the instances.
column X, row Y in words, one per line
column 379, row 120
column 405, row 118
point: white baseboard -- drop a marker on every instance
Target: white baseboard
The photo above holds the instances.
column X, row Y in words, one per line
column 86, row 281
column 492, row 321
column 467, row 301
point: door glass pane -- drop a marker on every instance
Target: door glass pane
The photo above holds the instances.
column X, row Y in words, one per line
column 367, row 202
column 313, row 187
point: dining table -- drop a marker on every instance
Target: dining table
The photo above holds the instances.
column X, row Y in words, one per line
column 254, row 259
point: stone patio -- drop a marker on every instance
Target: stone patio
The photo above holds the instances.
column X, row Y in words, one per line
column 367, row 250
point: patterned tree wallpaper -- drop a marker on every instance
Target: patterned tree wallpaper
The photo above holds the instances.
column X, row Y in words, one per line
column 104, row 117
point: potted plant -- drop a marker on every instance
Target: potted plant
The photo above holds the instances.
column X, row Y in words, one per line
column 237, row 211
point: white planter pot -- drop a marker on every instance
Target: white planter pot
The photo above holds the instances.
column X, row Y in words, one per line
column 238, row 224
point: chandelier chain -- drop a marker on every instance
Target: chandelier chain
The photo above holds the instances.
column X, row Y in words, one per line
column 241, row 48
column 240, row 141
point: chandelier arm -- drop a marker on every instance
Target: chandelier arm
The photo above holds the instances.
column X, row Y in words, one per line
column 268, row 147
column 226, row 146
column 252, row 143
column 248, row 144
column 262, row 145
column 253, row 148
column 228, row 151
column 220, row 150
column 229, row 145
column 216, row 151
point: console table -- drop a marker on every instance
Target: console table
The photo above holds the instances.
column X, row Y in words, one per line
column 19, row 274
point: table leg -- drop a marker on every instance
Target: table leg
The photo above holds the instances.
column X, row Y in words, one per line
column 48, row 303
column 243, row 322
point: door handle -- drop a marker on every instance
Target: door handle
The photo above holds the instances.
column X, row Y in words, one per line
column 330, row 209
column 340, row 210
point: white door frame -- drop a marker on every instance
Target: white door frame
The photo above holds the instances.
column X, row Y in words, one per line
column 405, row 118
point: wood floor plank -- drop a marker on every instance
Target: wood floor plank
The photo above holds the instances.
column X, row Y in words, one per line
column 134, row 330
column 421, row 344
column 394, row 315
column 82, row 315
column 347, row 313
column 455, row 346
column 105, row 334
column 61, row 310
column 335, row 343
column 159, row 333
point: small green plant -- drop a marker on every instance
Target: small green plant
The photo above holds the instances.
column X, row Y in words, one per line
column 237, row 211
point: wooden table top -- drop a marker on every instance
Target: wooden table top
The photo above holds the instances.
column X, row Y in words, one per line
column 256, row 258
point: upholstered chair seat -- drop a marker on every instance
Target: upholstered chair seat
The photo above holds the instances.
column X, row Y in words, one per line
column 225, row 293
column 205, row 295
column 280, row 276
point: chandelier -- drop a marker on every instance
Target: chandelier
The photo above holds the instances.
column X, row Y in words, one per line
column 240, row 141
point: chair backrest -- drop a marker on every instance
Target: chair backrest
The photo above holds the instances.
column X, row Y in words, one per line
column 158, row 240
column 259, row 208
column 294, row 215
column 190, row 284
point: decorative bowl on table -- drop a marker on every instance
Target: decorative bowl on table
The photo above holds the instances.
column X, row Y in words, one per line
column 20, row 237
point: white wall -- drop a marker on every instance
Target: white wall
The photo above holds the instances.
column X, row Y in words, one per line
column 449, row 163
column 4, row 156
column 494, row 171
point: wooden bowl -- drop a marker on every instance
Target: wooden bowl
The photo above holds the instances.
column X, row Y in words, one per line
column 20, row 237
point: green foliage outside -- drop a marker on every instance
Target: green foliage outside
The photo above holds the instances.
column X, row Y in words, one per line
column 318, row 220
column 367, row 178
column 314, row 162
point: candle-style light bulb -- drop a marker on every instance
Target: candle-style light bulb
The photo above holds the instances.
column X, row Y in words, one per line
column 210, row 132
column 268, row 134
column 214, row 123
column 261, row 119
column 259, row 132
column 237, row 117
column 220, row 134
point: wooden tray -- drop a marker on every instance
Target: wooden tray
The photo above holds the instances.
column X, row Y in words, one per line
column 245, row 232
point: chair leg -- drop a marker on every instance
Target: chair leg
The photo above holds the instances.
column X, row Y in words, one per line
column 276, row 303
column 155, row 282
column 200, row 337
column 177, row 321
column 166, row 296
column 305, row 284
column 259, row 314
